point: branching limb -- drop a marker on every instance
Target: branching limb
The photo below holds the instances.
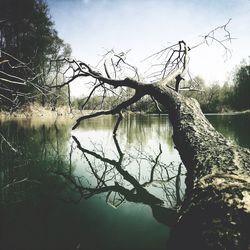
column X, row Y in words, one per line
column 113, row 111
column 172, row 62
column 81, row 69
column 90, row 94
column 155, row 164
column 156, row 104
column 117, row 122
column 212, row 36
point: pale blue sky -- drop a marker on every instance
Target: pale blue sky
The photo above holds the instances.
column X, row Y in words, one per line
column 146, row 26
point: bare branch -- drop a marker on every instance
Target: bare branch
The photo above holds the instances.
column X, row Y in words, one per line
column 106, row 70
column 117, row 123
column 212, row 36
column 8, row 143
column 113, row 111
column 172, row 61
column 90, row 94
column 156, row 104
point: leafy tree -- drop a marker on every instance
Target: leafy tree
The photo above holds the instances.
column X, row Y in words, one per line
column 213, row 98
column 27, row 34
column 226, row 97
column 242, row 86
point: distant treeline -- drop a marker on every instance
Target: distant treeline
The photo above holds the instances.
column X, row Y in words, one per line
column 214, row 98
column 233, row 96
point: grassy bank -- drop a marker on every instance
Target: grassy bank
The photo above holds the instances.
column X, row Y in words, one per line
column 37, row 111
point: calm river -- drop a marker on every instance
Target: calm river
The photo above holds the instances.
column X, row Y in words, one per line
column 85, row 189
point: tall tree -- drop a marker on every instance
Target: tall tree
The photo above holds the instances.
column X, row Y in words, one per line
column 242, row 86
column 27, row 34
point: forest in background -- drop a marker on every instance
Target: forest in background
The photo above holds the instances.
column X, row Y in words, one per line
column 29, row 43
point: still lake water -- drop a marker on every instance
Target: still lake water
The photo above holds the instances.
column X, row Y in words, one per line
column 84, row 189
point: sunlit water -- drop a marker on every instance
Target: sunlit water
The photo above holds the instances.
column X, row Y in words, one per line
column 93, row 191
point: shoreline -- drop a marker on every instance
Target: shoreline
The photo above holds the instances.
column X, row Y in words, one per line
column 230, row 112
column 39, row 112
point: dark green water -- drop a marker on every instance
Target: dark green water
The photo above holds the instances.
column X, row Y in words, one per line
column 94, row 192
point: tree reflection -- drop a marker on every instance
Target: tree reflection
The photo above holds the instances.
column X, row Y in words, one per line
column 26, row 158
column 159, row 188
column 135, row 128
column 28, row 174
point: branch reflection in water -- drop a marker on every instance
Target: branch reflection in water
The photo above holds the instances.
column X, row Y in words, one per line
column 159, row 188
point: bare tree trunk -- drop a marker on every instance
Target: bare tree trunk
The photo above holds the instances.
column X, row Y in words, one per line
column 216, row 210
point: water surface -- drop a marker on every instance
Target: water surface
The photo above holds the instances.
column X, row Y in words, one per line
column 88, row 190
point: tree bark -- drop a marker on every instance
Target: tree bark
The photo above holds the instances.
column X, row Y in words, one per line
column 215, row 213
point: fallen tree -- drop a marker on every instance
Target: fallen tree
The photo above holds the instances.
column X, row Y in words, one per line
column 215, row 213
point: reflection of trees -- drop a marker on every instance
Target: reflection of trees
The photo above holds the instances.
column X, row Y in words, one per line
column 136, row 128
column 110, row 177
column 30, row 188
column 235, row 127
column 27, row 158
column 146, row 126
column 41, row 148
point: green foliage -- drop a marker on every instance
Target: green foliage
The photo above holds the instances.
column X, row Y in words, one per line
column 213, row 98
column 216, row 99
column 28, row 34
column 242, row 86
